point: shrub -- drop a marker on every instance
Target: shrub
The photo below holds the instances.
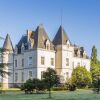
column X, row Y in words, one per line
column 72, row 87
column 35, row 84
column 28, row 86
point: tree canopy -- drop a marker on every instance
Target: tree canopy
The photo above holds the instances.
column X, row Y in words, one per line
column 2, row 64
column 95, row 66
column 50, row 76
column 81, row 77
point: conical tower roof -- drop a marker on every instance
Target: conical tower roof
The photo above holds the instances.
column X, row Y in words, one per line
column 61, row 37
column 7, row 43
column 40, row 36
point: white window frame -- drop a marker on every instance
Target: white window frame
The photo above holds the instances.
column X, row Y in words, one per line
column 30, row 61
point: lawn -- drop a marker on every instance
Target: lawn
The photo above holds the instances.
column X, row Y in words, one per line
column 63, row 95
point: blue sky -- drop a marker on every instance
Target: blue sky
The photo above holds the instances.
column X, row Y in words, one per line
column 80, row 19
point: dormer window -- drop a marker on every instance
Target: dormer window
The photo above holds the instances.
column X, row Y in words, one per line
column 68, row 43
column 31, row 43
column 78, row 53
column 47, row 44
column 22, row 47
column 16, row 49
column 84, row 54
column 30, row 46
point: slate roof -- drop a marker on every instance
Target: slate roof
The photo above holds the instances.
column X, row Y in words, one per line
column 7, row 43
column 39, row 37
column 23, row 40
column 61, row 37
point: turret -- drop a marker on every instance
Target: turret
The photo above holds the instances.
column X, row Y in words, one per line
column 7, row 59
column 64, row 51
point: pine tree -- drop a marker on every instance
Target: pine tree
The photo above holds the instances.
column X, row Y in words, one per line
column 2, row 65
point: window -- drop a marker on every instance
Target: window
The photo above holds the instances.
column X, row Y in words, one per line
column 73, row 65
column 68, row 43
column 22, row 76
column 15, row 63
column 52, row 61
column 67, row 75
column 67, row 62
column 30, row 74
column 16, row 77
column 30, row 60
column 22, row 47
column 22, row 62
column 84, row 64
column 29, row 45
column 42, row 72
column 47, row 46
column 42, row 61
column 78, row 64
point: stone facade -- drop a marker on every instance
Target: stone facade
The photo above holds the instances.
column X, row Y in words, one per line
column 35, row 52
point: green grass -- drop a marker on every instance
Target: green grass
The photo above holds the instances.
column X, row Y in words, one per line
column 63, row 95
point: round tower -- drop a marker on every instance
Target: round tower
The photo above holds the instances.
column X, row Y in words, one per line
column 7, row 61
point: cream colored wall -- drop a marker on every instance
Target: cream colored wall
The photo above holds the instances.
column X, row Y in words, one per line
column 27, row 67
column 58, row 60
column 64, row 52
column 67, row 52
column 60, row 55
column 82, row 61
column 47, row 54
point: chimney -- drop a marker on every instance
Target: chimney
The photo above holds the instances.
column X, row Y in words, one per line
column 29, row 34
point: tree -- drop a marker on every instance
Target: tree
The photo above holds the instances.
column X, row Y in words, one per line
column 50, row 75
column 50, row 78
column 2, row 64
column 95, row 66
column 81, row 77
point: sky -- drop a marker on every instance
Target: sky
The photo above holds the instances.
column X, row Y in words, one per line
column 80, row 19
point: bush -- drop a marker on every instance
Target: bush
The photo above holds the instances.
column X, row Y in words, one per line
column 72, row 87
column 34, row 85
column 28, row 86
column 41, row 86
